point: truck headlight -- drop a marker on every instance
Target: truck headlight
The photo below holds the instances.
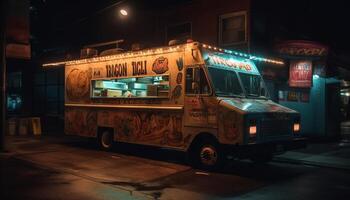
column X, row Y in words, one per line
column 296, row 127
column 252, row 131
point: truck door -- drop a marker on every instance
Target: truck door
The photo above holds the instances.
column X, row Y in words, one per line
column 200, row 105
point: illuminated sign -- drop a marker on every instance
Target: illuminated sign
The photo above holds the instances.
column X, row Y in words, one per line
column 231, row 63
column 300, row 73
column 302, row 48
column 120, row 69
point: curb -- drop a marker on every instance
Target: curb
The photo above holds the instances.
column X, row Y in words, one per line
column 311, row 163
column 131, row 192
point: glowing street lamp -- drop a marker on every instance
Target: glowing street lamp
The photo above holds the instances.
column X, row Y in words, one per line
column 123, row 12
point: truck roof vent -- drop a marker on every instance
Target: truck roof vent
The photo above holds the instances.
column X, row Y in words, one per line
column 136, row 47
column 174, row 42
column 88, row 53
column 111, row 51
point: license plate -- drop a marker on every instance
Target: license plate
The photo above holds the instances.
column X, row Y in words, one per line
column 279, row 148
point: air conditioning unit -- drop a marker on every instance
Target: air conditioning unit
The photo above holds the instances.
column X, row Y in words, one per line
column 111, row 51
column 88, row 53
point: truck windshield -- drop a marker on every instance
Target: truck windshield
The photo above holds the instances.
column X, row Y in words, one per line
column 226, row 83
column 253, row 85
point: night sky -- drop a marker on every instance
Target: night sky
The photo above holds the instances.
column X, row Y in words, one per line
column 323, row 21
column 59, row 23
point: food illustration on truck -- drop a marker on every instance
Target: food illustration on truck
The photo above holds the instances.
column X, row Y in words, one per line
column 190, row 97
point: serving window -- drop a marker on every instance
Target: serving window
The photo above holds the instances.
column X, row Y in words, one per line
column 133, row 87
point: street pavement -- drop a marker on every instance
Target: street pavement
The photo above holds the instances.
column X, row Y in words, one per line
column 21, row 180
column 332, row 155
column 73, row 168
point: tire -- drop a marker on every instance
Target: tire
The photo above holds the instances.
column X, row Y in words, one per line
column 105, row 140
column 206, row 155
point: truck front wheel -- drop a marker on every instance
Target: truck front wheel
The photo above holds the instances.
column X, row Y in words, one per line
column 206, row 155
column 105, row 140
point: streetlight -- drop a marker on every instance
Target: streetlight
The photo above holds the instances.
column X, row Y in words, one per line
column 123, row 12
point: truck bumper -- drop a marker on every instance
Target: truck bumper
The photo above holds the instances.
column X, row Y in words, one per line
column 275, row 147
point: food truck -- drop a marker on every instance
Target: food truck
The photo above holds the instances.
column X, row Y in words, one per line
column 190, row 97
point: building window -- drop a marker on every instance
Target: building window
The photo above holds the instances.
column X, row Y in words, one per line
column 135, row 87
column 48, row 92
column 181, row 31
column 14, row 96
column 233, row 28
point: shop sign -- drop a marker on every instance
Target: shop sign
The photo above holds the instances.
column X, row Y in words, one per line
column 301, row 48
column 19, row 51
column 230, row 62
column 300, row 73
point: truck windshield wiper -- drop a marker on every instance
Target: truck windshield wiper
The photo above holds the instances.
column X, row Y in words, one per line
column 253, row 95
column 224, row 94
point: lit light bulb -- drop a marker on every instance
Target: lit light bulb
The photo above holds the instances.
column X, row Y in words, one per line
column 123, row 12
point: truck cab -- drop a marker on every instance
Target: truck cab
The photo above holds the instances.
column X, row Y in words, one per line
column 230, row 93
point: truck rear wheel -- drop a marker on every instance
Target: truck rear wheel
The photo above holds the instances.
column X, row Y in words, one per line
column 206, row 155
column 105, row 140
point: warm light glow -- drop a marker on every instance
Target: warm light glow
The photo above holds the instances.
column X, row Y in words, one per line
column 256, row 58
column 296, row 127
column 154, row 51
column 252, row 130
column 123, row 12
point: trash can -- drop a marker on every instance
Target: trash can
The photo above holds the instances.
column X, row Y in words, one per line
column 35, row 126
column 12, row 126
column 23, row 126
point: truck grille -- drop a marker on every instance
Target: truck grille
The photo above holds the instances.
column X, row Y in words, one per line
column 275, row 127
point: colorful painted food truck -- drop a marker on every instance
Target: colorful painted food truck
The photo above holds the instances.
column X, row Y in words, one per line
column 190, row 97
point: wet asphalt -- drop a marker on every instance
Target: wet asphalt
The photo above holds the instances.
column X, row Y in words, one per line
column 237, row 180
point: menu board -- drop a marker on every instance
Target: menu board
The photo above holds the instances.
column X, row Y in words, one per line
column 300, row 73
column 293, row 96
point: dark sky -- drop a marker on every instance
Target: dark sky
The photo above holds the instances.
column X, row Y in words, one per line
column 323, row 21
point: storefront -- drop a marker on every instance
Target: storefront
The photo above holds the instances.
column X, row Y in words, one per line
column 307, row 85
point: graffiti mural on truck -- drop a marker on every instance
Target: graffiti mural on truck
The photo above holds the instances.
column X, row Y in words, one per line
column 79, row 121
column 78, row 83
column 156, row 128
column 162, row 128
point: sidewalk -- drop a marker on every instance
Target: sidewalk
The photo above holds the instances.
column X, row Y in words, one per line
column 345, row 131
column 331, row 155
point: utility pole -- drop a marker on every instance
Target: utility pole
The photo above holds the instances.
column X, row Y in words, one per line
column 3, row 76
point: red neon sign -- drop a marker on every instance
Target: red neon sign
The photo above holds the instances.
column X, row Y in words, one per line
column 300, row 73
